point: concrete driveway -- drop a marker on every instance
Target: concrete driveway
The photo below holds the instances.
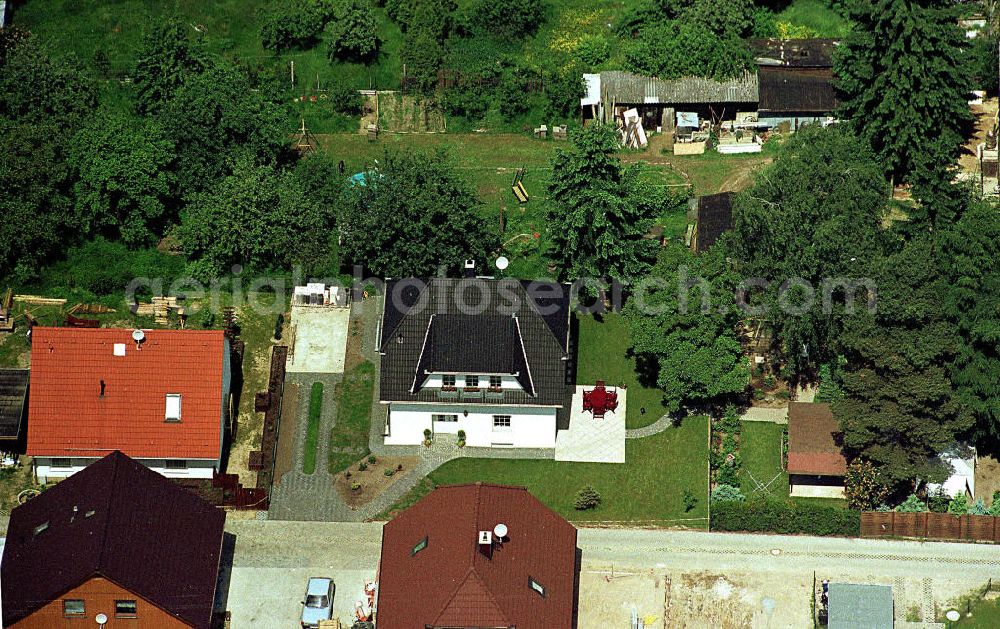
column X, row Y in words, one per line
column 320, row 339
column 273, row 561
column 671, row 578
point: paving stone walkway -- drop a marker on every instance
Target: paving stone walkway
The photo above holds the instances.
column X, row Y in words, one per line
column 653, row 429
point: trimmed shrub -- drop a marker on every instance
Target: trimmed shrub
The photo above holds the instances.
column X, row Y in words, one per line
column 774, row 516
column 727, row 493
column 978, row 508
column 690, row 502
column 587, row 498
column 372, row 459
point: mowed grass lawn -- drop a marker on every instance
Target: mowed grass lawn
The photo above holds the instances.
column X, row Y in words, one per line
column 760, row 452
column 647, row 488
column 603, row 345
column 349, row 437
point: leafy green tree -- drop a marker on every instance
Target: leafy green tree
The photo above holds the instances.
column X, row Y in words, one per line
column 125, row 177
column 904, row 86
column 42, row 103
column 426, row 25
column 680, row 334
column 981, row 60
column 216, row 115
column 293, row 23
column 563, row 90
column 599, row 210
column 722, row 17
column 995, row 505
column 258, row 216
column 900, row 408
column 419, row 200
column 167, row 58
column 959, row 505
column 675, row 49
column 514, row 19
column 864, row 486
column 815, row 214
column 352, row 34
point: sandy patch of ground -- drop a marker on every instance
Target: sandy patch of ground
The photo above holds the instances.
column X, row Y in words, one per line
column 373, row 480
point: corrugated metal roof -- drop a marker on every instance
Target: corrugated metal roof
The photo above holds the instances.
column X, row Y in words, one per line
column 796, row 90
column 628, row 88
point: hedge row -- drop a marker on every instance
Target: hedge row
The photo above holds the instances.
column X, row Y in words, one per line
column 774, row 516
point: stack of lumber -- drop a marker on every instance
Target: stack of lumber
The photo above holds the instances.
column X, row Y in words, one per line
column 159, row 309
column 35, row 300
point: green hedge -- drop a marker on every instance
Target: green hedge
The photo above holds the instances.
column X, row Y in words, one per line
column 773, row 516
column 312, row 429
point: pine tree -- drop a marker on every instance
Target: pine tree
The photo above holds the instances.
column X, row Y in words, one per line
column 903, row 81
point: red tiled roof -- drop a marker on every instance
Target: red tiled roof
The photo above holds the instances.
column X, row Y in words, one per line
column 68, row 418
column 450, row 583
column 813, row 434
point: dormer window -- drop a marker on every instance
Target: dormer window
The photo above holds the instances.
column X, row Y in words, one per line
column 173, row 407
column 471, row 381
column 448, row 380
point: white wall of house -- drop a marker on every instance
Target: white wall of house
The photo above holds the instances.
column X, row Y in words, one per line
column 46, row 468
column 530, row 427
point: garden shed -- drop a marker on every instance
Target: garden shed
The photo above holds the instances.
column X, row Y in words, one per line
column 816, row 465
column 860, row 606
column 13, row 408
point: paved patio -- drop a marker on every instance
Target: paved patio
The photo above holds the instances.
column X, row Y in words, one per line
column 320, row 334
column 591, row 440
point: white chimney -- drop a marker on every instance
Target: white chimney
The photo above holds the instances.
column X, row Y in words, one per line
column 486, row 543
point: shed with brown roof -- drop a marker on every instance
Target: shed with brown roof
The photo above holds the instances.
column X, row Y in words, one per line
column 437, row 570
column 115, row 539
column 816, row 464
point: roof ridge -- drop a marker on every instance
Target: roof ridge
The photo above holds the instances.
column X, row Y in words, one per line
column 524, row 352
column 472, row 574
column 116, row 461
column 420, row 359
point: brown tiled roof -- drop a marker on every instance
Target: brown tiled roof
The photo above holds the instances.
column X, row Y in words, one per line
column 813, row 438
column 450, row 583
column 119, row 520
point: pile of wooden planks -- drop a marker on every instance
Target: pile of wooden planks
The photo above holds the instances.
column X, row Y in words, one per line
column 159, row 309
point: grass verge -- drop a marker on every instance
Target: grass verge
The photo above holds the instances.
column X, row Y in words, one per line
column 312, row 430
column 349, row 437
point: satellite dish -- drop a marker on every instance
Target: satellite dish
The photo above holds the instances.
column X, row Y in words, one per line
column 500, row 530
column 502, row 262
column 953, row 615
column 138, row 336
column 101, row 619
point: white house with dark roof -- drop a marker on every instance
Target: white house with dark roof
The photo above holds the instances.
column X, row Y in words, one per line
column 490, row 357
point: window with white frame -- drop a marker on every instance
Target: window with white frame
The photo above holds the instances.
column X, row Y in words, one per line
column 501, row 422
column 536, row 586
column 471, row 381
column 448, row 380
column 445, row 418
column 496, row 382
column 173, row 407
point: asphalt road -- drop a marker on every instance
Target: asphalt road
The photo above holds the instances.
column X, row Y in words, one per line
column 624, row 568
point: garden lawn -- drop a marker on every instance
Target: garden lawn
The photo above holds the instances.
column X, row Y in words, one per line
column 312, row 428
column 647, row 488
column 985, row 615
column 488, row 162
column 349, row 437
column 760, row 454
column 602, row 354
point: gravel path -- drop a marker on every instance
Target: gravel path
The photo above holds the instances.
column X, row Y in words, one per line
column 653, row 429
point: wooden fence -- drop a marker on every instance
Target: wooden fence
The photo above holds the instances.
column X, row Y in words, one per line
column 945, row 526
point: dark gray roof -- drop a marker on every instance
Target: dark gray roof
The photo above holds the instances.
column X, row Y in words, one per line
column 476, row 344
column 794, row 53
column 478, row 326
column 13, row 393
column 122, row 521
column 715, row 216
column 860, row 606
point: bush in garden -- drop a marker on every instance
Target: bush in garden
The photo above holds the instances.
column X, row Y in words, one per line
column 978, row 508
column 727, row 493
column 690, row 502
column 912, row 504
column 587, row 498
column 593, row 50
column 345, row 99
column 995, row 505
column 938, row 501
column 865, row 487
column 959, row 505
